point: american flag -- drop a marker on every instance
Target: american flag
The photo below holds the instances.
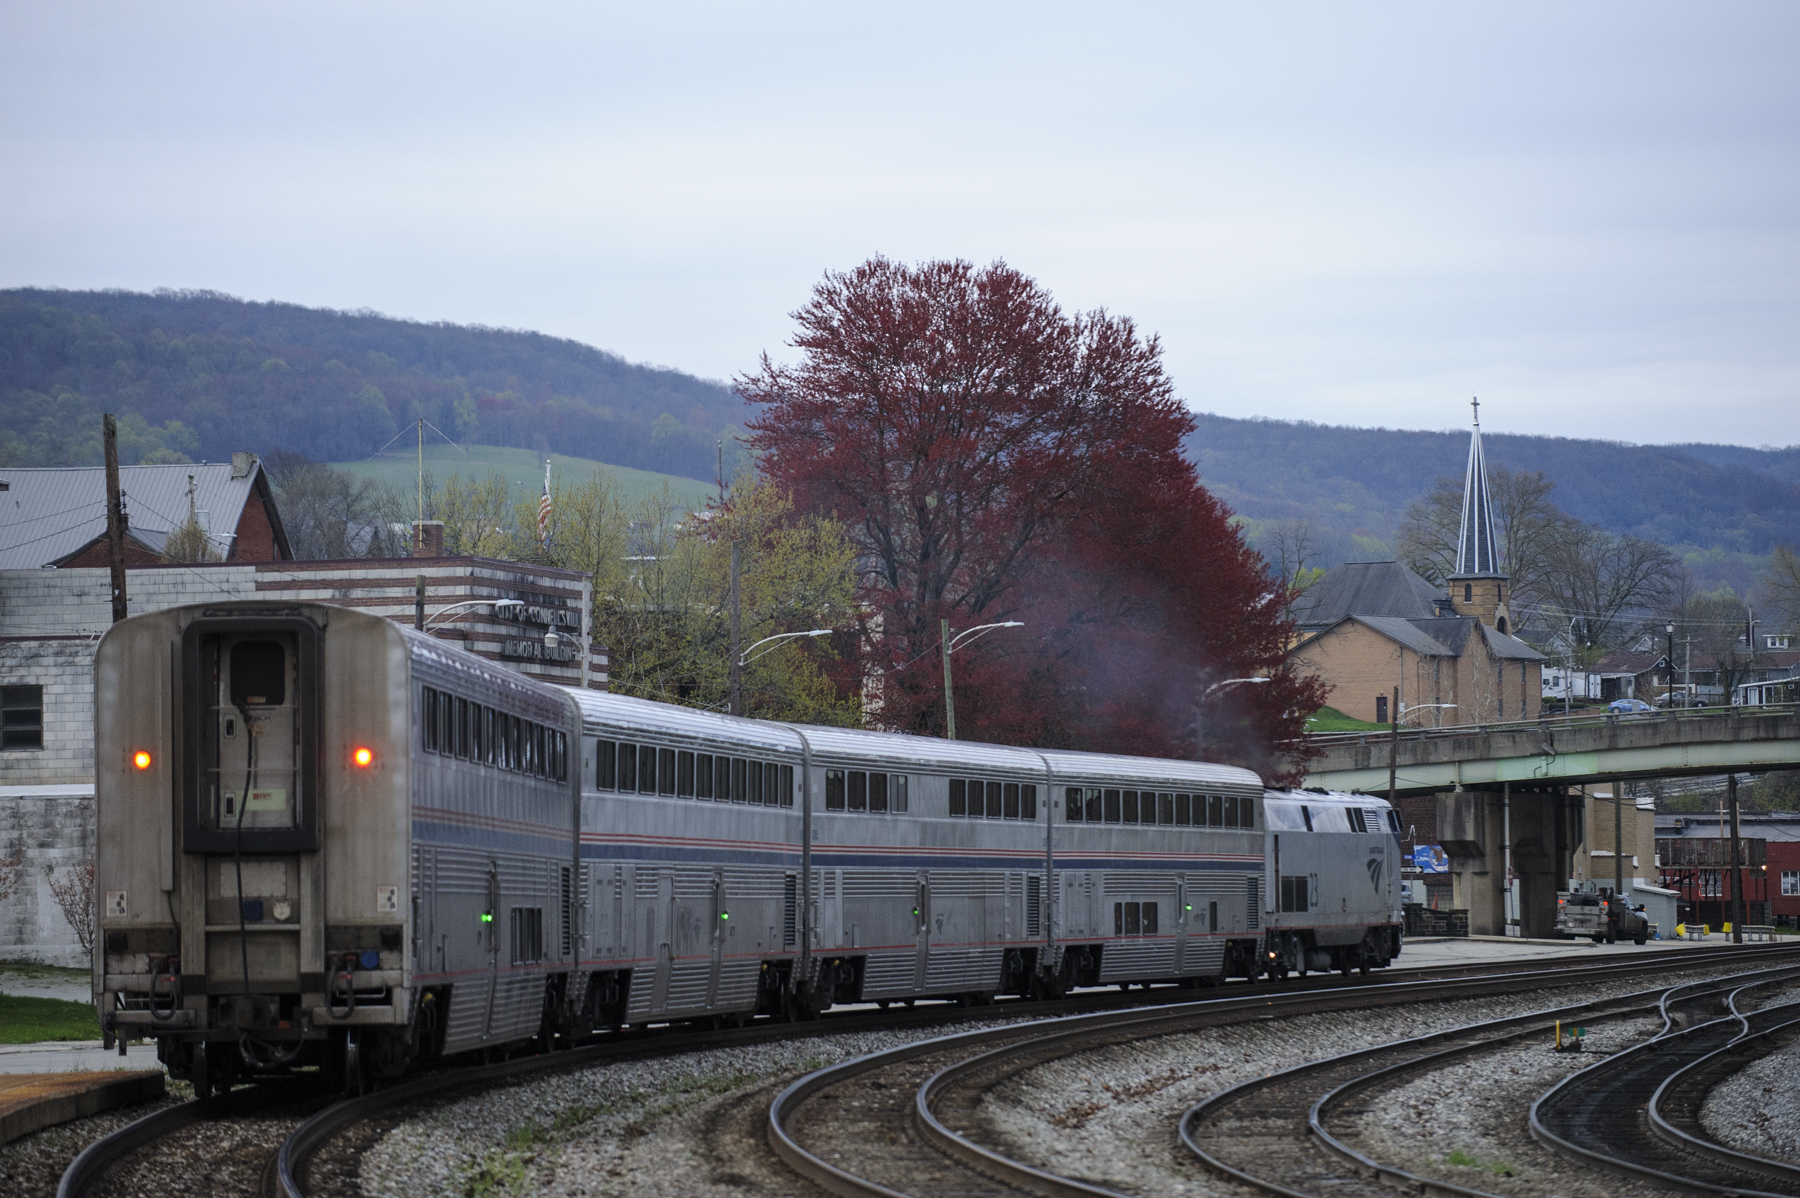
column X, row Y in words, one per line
column 544, row 509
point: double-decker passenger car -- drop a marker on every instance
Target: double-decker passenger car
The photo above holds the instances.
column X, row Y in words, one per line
column 325, row 838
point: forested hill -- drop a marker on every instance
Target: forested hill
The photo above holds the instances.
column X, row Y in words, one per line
column 209, row 374
column 1722, row 506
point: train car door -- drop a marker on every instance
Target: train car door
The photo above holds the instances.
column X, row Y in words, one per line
column 491, row 924
column 663, row 938
column 922, row 929
column 1183, row 918
column 720, row 920
column 425, row 951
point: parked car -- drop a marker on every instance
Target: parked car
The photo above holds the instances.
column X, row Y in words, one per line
column 1628, row 707
column 1679, row 700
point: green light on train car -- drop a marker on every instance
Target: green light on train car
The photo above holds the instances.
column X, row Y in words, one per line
column 724, row 915
column 487, row 917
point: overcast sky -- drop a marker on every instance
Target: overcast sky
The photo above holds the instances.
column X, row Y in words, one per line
column 1357, row 214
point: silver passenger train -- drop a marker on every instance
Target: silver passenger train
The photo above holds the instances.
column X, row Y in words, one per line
column 326, row 839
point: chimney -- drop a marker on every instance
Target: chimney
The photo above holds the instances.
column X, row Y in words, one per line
column 241, row 463
column 428, row 538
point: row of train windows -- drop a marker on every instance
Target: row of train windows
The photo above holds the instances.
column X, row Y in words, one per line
column 1134, row 919
column 647, row 769
column 1092, row 805
column 470, row 731
column 976, row 799
column 856, row 790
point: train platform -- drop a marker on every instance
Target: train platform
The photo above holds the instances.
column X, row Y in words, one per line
column 32, row 1101
column 64, row 1057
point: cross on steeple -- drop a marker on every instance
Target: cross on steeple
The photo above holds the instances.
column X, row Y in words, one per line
column 1476, row 404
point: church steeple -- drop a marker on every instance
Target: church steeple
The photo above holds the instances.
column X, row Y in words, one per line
column 1478, row 588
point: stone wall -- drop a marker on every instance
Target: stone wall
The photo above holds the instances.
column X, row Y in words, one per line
column 45, row 832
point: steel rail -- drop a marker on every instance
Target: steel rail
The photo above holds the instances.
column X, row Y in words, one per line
column 1155, row 1021
column 104, row 1153
column 1670, row 1046
column 1665, row 1127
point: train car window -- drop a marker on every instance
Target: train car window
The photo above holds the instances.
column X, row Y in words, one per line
column 1126, row 919
column 627, row 766
column 459, row 723
column 485, row 729
column 1165, row 808
column 606, row 767
column 1128, row 806
column 878, row 792
column 1028, row 803
column 528, row 757
column 684, row 775
column 899, row 798
column 722, row 779
column 1011, row 807
column 446, row 724
column 834, row 790
column 428, row 720
column 753, row 778
column 703, row 775
column 1212, row 917
column 666, row 771
column 771, row 784
column 1306, row 814
column 1182, row 811
column 562, row 757
column 515, row 728
column 646, row 769
column 1357, row 823
column 1093, row 804
column 1215, row 813
column 996, row 804
column 1231, row 811
column 857, row 790
column 1393, row 819
column 1246, row 812
column 1111, row 808
column 740, row 790
column 477, row 732
column 787, row 786
column 1072, row 804
column 1149, row 919
column 540, row 739
column 258, row 674
column 959, row 795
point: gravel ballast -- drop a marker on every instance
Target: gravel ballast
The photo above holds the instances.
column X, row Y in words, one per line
column 1758, row 1109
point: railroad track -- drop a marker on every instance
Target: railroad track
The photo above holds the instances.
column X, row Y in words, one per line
column 1637, row 1113
column 899, row 1122
column 317, row 1122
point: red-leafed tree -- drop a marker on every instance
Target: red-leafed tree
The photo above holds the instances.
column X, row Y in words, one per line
column 995, row 459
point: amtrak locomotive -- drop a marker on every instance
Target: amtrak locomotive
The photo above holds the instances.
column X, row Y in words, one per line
column 326, row 839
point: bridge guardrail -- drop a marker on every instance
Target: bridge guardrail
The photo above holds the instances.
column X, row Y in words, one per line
column 1579, row 719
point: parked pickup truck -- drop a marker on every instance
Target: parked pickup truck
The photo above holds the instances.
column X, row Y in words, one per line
column 1600, row 915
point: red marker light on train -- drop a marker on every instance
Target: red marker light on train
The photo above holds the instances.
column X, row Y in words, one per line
column 141, row 759
column 363, row 756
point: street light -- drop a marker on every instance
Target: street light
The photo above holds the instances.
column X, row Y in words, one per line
column 1425, row 707
column 745, row 659
column 951, row 645
column 497, row 605
column 1200, row 712
column 1669, row 665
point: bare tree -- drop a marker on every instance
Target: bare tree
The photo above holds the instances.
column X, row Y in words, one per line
column 1781, row 583
column 1529, row 525
column 328, row 514
column 1602, row 583
column 74, row 893
column 1718, row 625
column 1295, row 546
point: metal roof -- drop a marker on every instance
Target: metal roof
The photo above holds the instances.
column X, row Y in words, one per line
column 47, row 515
column 908, row 752
column 1446, row 636
column 1366, row 589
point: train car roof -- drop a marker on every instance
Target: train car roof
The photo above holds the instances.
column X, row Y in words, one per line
column 917, row 752
column 1328, row 797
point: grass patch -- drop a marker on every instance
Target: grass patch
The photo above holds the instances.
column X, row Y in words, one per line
column 398, row 469
column 30, row 1020
column 1467, row 1161
column 1330, row 719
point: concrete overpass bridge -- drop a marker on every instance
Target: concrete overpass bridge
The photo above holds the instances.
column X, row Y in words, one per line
column 1506, row 801
column 1561, row 751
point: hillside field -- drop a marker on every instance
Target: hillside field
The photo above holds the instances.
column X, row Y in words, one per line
column 398, row 469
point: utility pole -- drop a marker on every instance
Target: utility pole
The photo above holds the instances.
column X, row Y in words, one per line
column 1393, row 745
column 949, row 695
column 721, row 472
column 1737, row 872
column 735, row 686
column 1618, row 839
column 419, row 599
column 115, row 519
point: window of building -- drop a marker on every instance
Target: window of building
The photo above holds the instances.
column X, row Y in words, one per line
column 1790, row 883
column 22, row 717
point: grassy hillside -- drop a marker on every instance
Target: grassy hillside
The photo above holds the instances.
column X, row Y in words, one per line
column 399, row 470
